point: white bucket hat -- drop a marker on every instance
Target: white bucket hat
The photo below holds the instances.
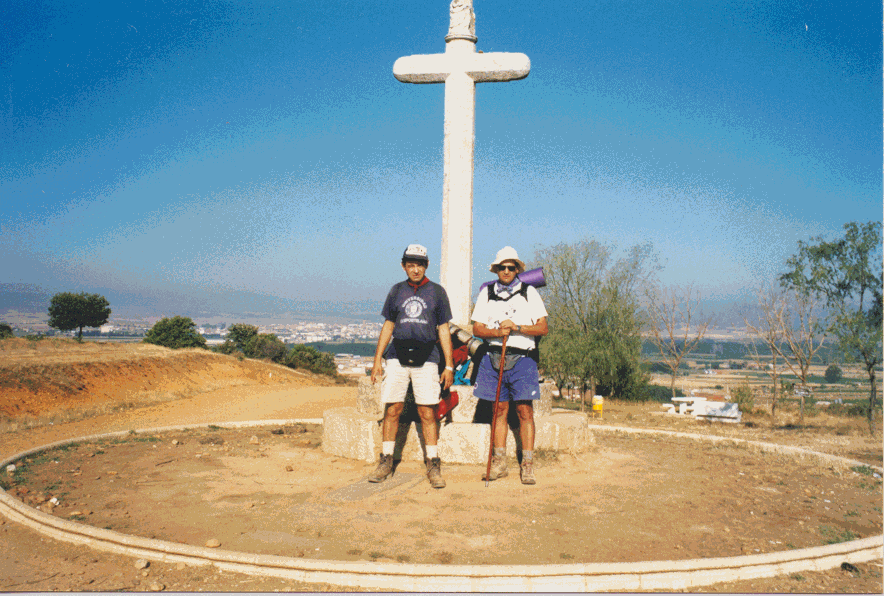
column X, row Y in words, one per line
column 507, row 253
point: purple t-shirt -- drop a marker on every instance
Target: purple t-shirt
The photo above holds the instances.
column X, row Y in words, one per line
column 417, row 314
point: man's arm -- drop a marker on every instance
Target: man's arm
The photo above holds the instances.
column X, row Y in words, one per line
column 485, row 332
column 447, row 377
column 538, row 328
column 383, row 341
column 507, row 327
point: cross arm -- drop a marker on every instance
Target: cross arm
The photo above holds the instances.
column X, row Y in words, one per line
column 482, row 68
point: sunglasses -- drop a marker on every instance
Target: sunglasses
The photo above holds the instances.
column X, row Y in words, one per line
column 507, row 268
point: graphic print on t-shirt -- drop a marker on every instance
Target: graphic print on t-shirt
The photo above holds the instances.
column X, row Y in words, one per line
column 414, row 307
column 508, row 312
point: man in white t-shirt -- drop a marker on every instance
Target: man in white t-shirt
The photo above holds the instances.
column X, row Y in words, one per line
column 512, row 309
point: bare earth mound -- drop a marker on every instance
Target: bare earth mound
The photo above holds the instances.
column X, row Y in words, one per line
column 40, row 378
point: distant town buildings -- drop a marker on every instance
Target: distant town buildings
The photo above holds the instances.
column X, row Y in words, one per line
column 301, row 332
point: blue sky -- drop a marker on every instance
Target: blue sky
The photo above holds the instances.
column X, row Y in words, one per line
column 256, row 157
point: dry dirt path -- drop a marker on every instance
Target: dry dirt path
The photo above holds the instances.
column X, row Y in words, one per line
column 56, row 566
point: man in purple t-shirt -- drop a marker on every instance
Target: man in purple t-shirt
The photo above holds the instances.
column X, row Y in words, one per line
column 416, row 315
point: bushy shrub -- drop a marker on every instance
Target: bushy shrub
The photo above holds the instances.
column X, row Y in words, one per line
column 658, row 393
column 176, row 332
column 301, row 356
column 833, row 374
column 266, row 345
column 858, row 409
column 5, row 331
column 241, row 334
column 627, row 382
column 228, row 348
column 742, row 396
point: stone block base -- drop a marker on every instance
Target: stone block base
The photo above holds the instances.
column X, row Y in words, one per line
column 357, row 435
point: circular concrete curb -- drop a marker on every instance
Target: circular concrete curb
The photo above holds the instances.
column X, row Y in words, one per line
column 589, row 577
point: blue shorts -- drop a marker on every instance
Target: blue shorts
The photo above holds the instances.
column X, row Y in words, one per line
column 521, row 382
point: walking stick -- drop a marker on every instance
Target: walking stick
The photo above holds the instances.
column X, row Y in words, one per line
column 494, row 412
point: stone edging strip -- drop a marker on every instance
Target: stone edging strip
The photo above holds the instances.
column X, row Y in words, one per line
column 588, row 577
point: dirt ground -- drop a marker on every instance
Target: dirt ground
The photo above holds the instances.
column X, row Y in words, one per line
column 629, row 499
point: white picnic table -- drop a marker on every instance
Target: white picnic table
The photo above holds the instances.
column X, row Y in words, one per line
column 689, row 404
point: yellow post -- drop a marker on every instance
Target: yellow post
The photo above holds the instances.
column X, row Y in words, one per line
column 598, row 404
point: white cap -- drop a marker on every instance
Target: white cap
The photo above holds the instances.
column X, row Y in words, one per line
column 507, row 253
column 415, row 252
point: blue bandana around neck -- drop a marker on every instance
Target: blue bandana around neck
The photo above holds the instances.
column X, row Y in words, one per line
column 505, row 291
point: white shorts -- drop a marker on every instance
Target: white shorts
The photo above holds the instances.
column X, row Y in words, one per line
column 424, row 380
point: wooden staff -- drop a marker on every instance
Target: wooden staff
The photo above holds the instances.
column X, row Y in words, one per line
column 494, row 412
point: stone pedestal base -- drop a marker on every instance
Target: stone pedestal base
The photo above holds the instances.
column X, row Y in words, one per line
column 464, row 438
column 352, row 434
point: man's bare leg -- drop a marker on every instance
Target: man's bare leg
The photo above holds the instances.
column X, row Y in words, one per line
column 525, row 410
column 431, row 438
column 500, row 424
column 428, row 423
column 391, row 421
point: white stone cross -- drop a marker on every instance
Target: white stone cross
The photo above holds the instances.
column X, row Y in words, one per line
column 460, row 68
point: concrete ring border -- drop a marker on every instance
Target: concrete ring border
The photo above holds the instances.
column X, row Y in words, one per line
column 588, row 577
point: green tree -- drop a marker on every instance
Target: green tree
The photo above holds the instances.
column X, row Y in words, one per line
column 833, row 374
column 68, row 311
column 558, row 354
column 6, row 331
column 241, row 334
column 846, row 273
column 594, row 315
column 308, row 358
column 176, row 332
column 266, row 345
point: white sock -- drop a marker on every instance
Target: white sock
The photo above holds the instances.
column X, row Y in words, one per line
column 388, row 447
column 432, row 451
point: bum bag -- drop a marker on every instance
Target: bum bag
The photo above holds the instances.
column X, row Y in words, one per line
column 411, row 352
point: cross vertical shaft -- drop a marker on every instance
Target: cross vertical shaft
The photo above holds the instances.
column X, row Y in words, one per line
column 457, row 186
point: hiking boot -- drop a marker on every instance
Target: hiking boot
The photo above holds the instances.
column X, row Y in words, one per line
column 498, row 468
column 434, row 472
column 527, row 472
column 384, row 469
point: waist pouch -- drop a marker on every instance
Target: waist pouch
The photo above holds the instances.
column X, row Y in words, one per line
column 512, row 356
column 508, row 362
column 411, row 352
